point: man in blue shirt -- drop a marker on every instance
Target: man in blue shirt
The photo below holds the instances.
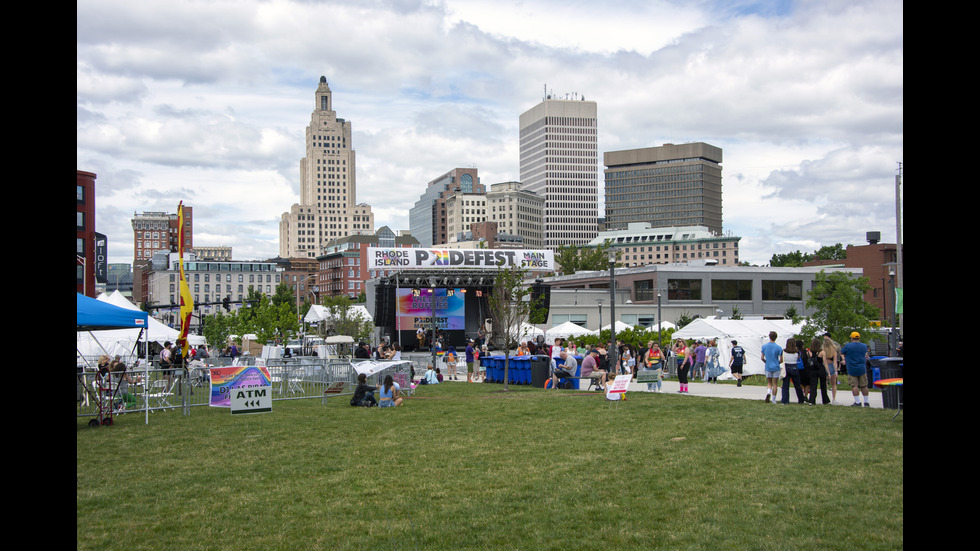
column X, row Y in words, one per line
column 772, row 356
column 855, row 357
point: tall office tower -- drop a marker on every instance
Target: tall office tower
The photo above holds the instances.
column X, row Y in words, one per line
column 427, row 219
column 559, row 161
column 327, row 206
column 670, row 185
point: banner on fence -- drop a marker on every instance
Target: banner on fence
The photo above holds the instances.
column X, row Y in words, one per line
column 226, row 380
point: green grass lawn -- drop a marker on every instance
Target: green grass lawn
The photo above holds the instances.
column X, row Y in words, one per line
column 465, row 466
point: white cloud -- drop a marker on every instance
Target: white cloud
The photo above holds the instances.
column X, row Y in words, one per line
column 207, row 102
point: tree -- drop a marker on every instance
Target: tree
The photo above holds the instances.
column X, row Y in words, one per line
column 346, row 321
column 790, row 260
column 510, row 308
column 216, row 329
column 582, row 259
column 838, row 305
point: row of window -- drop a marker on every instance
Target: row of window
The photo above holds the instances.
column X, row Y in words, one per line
column 721, row 289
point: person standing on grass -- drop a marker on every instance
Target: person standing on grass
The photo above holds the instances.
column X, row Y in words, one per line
column 736, row 362
column 856, row 358
column 818, row 372
column 469, row 361
column 700, row 351
column 555, row 353
column 654, row 361
column 684, row 360
column 790, row 357
column 828, row 354
column 772, row 357
column 451, row 362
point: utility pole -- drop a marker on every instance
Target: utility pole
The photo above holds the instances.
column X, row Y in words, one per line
column 899, row 268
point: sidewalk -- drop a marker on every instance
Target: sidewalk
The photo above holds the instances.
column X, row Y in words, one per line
column 727, row 389
column 730, row 390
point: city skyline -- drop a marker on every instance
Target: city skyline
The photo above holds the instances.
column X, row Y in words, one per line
column 805, row 99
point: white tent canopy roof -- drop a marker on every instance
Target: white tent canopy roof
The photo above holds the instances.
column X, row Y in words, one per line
column 322, row 313
column 620, row 326
column 567, row 329
column 750, row 334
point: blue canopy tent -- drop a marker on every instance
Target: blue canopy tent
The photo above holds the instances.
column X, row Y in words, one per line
column 95, row 315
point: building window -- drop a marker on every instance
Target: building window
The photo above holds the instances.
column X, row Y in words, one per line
column 684, row 289
column 782, row 290
column 727, row 289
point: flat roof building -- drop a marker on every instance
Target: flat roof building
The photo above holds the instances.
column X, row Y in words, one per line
column 559, row 161
column 670, row 185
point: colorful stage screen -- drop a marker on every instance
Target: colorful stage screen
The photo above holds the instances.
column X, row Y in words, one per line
column 416, row 307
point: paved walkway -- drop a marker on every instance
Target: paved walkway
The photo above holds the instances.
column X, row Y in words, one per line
column 719, row 390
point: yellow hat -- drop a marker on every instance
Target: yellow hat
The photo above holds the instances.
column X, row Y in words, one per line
column 855, row 335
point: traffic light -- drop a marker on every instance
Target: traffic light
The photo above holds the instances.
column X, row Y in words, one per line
column 226, row 303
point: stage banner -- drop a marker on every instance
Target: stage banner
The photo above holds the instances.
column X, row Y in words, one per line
column 407, row 259
column 224, row 380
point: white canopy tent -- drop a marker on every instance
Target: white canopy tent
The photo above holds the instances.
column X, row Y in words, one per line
column 527, row 331
column 567, row 329
column 750, row 334
column 319, row 313
column 620, row 326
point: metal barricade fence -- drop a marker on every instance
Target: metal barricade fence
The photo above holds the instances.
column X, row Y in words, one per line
column 180, row 389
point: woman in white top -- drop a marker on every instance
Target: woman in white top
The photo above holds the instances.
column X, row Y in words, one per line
column 790, row 355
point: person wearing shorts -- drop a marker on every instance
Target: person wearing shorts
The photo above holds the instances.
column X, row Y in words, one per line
column 855, row 357
column 469, row 361
column 737, row 361
column 772, row 357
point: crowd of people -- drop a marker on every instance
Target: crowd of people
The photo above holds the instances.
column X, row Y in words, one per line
column 809, row 368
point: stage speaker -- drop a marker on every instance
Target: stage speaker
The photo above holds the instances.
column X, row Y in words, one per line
column 384, row 306
column 541, row 295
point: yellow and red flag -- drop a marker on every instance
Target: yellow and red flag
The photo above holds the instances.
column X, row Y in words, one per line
column 186, row 301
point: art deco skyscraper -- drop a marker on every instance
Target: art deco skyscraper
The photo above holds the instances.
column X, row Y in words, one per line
column 559, row 161
column 328, row 208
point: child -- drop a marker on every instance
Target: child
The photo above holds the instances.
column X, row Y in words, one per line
column 451, row 362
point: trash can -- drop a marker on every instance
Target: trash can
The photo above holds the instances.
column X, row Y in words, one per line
column 540, row 370
column 892, row 368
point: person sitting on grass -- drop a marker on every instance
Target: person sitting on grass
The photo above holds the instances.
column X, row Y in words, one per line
column 364, row 394
column 390, row 393
column 430, row 377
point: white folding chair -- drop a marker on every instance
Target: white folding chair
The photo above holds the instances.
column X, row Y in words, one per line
column 159, row 391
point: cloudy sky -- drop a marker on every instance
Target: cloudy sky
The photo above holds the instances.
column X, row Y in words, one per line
column 207, row 102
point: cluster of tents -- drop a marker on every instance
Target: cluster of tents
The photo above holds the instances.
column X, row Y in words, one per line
column 112, row 325
column 750, row 335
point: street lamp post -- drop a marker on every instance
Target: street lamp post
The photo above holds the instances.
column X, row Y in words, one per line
column 613, row 351
column 660, row 321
